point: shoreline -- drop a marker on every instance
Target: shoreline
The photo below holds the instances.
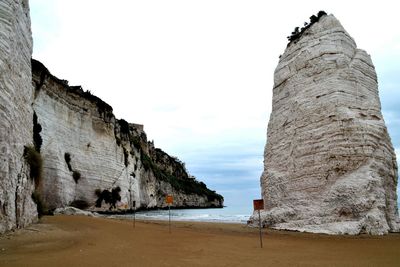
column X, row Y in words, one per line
column 132, row 211
column 173, row 220
column 186, row 215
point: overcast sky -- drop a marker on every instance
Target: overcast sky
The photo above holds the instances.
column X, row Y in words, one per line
column 199, row 74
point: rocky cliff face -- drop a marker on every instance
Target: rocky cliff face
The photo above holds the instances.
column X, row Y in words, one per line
column 329, row 163
column 17, row 208
column 86, row 149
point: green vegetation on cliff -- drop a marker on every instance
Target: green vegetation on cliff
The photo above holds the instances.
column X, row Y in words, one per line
column 35, row 162
column 179, row 178
column 164, row 167
column 298, row 32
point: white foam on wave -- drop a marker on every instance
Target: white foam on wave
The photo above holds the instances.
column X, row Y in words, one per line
column 200, row 215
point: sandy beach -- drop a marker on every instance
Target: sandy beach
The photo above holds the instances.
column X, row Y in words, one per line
column 86, row 241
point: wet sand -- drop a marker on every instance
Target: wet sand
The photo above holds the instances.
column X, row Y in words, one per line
column 85, row 241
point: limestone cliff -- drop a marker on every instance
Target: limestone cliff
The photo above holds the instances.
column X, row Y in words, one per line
column 329, row 163
column 17, row 208
column 86, row 149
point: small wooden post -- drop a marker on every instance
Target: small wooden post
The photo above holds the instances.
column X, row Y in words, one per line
column 169, row 217
column 169, row 200
column 259, row 205
column 134, row 214
column 259, row 226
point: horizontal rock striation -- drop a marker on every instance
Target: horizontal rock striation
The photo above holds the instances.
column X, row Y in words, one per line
column 86, row 149
column 17, row 208
column 329, row 163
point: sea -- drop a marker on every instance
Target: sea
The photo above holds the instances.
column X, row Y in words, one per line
column 220, row 215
